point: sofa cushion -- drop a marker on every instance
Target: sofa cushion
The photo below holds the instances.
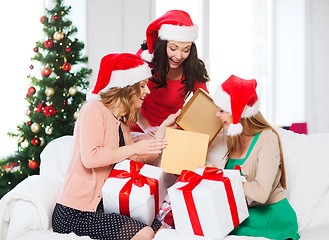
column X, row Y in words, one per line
column 307, row 165
column 56, row 157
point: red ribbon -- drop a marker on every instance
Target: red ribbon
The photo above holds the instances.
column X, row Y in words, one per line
column 193, row 179
column 137, row 179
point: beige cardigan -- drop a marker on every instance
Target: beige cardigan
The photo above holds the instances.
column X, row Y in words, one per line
column 96, row 133
column 263, row 172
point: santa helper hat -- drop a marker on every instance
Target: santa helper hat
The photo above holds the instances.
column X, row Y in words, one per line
column 238, row 97
column 174, row 25
column 119, row 70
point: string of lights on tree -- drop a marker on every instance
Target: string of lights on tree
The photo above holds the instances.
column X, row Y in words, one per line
column 57, row 92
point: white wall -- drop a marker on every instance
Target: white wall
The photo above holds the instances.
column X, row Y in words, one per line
column 300, row 63
column 115, row 26
column 20, row 29
column 287, row 64
column 317, row 65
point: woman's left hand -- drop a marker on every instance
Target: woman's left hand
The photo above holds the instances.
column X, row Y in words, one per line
column 171, row 120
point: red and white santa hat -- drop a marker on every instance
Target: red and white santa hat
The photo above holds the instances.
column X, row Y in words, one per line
column 119, row 70
column 174, row 25
column 238, row 97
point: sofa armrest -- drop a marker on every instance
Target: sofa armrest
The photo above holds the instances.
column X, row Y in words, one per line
column 28, row 206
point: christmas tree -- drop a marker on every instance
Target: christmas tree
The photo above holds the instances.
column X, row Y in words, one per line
column 57, row 91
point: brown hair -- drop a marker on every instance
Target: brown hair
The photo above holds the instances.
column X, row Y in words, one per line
column 251, row 127
column 193, row 68
column 125, row 96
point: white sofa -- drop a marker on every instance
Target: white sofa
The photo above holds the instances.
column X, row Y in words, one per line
column 25, row 212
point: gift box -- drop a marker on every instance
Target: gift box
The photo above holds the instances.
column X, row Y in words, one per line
column 134, row 189
column 199, row 115
column 185, row 150
column 208, row 202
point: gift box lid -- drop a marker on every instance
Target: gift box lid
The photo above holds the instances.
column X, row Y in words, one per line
column 199, row 115
column 185, row 151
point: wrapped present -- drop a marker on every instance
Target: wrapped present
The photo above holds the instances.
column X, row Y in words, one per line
column 134, row 189
column 208, row 202
column 165, row 214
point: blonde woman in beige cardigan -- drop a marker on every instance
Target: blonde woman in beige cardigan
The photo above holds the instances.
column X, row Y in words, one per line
column 255, row 148
column 101, row 139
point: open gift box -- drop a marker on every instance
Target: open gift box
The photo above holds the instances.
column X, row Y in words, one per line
column 185, row 150
column 188, row 149
column 199, row 115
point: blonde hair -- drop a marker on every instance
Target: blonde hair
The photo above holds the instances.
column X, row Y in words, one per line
column 251, row 127
column 125, row 96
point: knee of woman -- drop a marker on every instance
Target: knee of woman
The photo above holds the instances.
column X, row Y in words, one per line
column 145, row 233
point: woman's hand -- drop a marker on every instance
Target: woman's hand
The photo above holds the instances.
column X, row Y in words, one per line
column 169, row 122
column 151, row 131
column 150, row 146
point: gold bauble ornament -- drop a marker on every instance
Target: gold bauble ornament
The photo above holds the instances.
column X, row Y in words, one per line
column 58, row 36
column 21, row 139
column 49, row 91
column 49, row 130
column 76, row 114
column 73, row 90
column 35, row 128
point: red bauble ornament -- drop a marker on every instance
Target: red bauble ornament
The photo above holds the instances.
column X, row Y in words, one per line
column 48, row 43
column 50, row 111
column 43, row 19
column 55, row 17
column 33, row 164
column 46, row 72
column 35, row 49
column 41, row 107
column 68, row 50
column 31, row 66
column 28, row 123
column 31, row 91
column 36, row 141
column 66, row 67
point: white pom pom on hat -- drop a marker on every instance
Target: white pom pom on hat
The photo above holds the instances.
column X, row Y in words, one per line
column 119, row 70
column 238, row 97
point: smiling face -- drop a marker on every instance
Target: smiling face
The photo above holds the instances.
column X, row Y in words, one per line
column 226, row 117
column 177, row 52
column 138, row 100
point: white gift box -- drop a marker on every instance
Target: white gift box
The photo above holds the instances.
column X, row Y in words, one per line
column 212, row 207
column 142, row 206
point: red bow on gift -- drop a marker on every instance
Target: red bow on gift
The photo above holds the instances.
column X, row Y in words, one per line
column 193, row 179
column 137, row 179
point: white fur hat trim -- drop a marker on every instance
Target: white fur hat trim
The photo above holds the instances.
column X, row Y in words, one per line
column 124, row 78
column 222, row 99
column 178, row 33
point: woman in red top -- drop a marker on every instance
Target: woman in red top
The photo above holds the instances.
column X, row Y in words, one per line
column 177, row 71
